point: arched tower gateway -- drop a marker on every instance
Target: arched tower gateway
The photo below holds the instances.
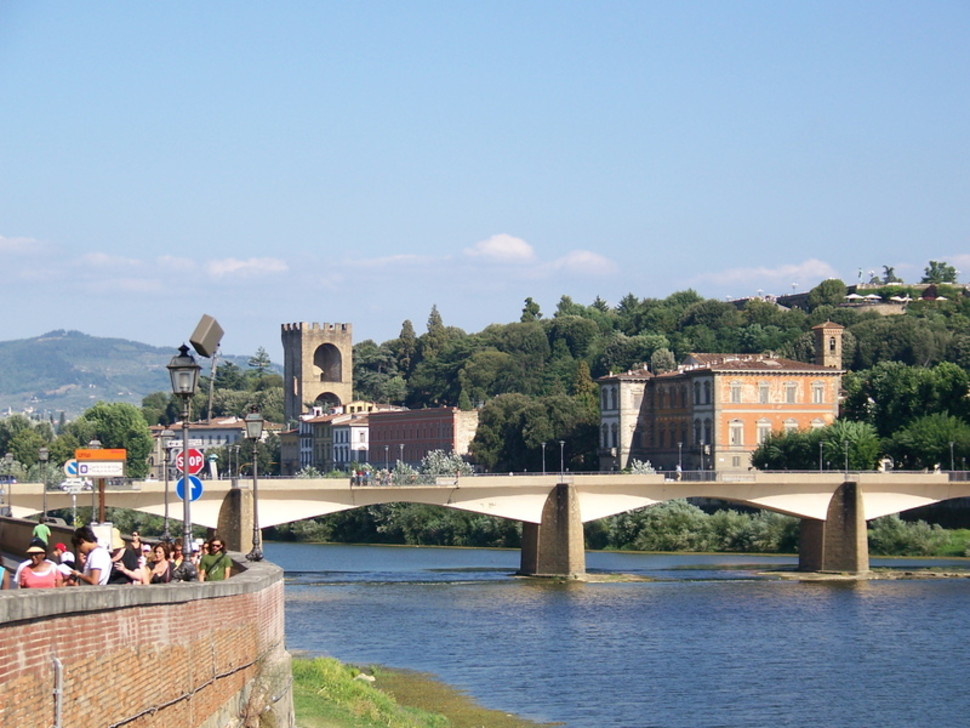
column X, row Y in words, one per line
column 828, row 344
column 318, row 366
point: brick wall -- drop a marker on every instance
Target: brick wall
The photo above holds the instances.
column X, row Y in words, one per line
column 185, row 655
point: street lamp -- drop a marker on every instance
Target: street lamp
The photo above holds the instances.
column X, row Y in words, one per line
column 845, row 446
column 543, row 458
column 385, row 459
column 164, row 435
column 401, row 459
column 680, row 457
column 821, row 444
column 254, row 432
column 562, row 462
column 8, row 462
column 952, row 463
column 43, row 454
column 185, row 376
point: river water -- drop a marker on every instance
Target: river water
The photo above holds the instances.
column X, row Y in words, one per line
column 709, row 642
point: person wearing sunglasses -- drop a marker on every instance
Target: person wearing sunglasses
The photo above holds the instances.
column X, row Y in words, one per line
column 216, row 564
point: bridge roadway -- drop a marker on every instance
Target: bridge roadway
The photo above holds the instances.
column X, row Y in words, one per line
column 833, row 505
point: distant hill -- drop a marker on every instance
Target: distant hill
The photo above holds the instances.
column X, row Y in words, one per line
column 68, row 371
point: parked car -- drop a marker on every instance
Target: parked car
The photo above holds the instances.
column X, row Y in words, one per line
column 8, row 480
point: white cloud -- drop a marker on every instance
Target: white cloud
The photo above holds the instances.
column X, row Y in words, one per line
column 174, row 263
column 585, row 262
column 391, row 261
column 502, row 248
column 809, row 272
column 245, row 268
column 20, row 246
column 140, row 285
column 103, row 260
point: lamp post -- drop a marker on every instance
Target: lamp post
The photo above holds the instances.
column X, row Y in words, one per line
column 386, row 462
column 401, row 459
column 562, row 461
column 952, row 462
column 164, row 435
column 680, row 457
column 254, row 432
column 98, row 491
column 845, row 446
column 543, row 458
column 43, row 454
column 185, row 376
column 821, row 444
column 8, row 463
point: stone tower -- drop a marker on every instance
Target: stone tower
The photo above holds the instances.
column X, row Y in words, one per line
column 318, row 366
column 828, row 344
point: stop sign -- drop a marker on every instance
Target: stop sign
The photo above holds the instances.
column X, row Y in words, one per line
column 195, row 464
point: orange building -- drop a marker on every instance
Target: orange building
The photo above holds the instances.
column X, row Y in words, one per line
column 715, row 409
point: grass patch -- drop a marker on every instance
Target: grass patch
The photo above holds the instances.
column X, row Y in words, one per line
column 327, row 695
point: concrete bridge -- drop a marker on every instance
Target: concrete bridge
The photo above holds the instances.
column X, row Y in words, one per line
column 833, row 506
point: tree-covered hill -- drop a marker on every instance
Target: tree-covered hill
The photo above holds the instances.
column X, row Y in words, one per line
column 68, row 371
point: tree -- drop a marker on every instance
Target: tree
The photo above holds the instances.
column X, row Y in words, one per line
column 829, row 292
column 530, row 312
column 260, row 361
column 117, row 425
column 889, row 275
column 662, row 360
column 405, row 347
column 939, row 272
column 931, row 441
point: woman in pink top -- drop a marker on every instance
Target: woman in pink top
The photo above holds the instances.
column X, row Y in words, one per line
column 39, row 573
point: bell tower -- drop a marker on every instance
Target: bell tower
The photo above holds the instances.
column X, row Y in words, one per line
column 318, row 366
column 828, row 344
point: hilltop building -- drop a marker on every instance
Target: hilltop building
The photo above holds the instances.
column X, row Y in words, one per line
column 713, row 411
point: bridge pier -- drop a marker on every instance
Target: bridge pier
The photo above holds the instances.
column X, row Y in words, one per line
column 235, row 525
column 556, row 546
column 839, row 543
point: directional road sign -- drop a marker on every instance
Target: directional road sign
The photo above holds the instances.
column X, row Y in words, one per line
column 196, row 461
column 195, row 488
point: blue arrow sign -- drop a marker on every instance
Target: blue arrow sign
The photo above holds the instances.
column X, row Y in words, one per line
column 195, row 488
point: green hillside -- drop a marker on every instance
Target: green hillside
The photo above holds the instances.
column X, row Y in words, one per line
column 68, row 371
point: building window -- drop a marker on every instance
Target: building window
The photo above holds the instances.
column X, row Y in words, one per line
column 763, row 391
column 791, row 390
column 613, row 433
column 604, row 441
column 708, row 432
column 707, row 392
column 697, row 392
column 791, row 425
column 764, row 430
column 735, row 392
column 817, row 424
column 736, row 433
column 698, row 433
column 818, row 393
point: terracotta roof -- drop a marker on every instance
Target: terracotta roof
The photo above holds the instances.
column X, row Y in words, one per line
column 748, row 363
column 632, row 375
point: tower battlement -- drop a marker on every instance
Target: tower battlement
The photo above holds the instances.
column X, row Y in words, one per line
column 302, row 326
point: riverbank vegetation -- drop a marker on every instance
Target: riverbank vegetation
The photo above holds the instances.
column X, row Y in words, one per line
column 329, row 694
column 672, row 526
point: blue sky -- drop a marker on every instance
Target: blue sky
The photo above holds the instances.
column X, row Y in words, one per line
column 362, row 161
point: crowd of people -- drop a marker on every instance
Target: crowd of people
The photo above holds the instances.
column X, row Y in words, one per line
column 134, row 562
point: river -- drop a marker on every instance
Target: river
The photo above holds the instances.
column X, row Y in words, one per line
column 708, row 642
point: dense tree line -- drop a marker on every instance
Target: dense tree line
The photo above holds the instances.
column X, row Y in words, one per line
column 533, row 379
